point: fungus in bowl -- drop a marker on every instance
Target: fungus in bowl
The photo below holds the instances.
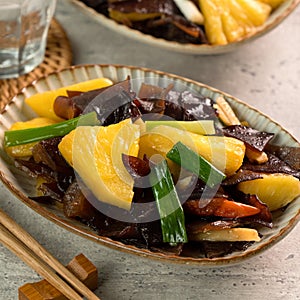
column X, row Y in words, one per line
column 196, row 26
column 157, row 165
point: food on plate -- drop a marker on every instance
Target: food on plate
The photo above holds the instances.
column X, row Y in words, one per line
column 157, row 168
column 276, row 190
column 161, row 139
column 91, row 152
column 215, row 22
column 25, row 150
column 43, row 103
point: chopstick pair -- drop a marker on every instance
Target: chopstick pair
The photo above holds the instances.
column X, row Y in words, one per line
column 20, row 242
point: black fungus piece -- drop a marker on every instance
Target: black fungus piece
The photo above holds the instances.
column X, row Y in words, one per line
column 199, row 190
column 264, row 217
column 196, row 107
column 290, row 155
column 73, row 106
column 273, row 165
column 174, row 250
column 173, row 96
column 151, row 233
column 125, row 111
column 47, row 153
column 173, row 111
column 113, row 105
column 202, row 226
column 75, row 203
column 240, row 176
column 252, row 137
column 167, row 23
column 106, row 98
column 142, row 6
column 165, row 28
column 149, row 91
column 207, row 249
column 172, row 107
column 99, row 5
column 137, row 168
column 52, row 189
column 115, row 229
column 151, row 106
column 32, row 169
column 188, row 27
column 44, row 200
column 250, row 171
column 219, row 249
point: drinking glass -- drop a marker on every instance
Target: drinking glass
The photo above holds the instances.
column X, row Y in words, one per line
column 24, row 28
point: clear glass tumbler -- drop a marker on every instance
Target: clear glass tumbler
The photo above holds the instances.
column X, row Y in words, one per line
column 24, row 28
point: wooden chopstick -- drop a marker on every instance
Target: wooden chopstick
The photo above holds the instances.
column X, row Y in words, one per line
column 22, row 251
column 20, row 242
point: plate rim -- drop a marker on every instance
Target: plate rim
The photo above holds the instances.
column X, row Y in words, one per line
column 119, row 246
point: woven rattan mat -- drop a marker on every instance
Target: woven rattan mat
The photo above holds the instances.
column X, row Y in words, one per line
column 58, row 55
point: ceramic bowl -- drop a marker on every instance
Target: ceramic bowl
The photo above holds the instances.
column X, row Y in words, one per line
column 22, row 186
column 276, row 17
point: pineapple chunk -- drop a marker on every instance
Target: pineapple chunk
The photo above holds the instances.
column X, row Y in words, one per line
column 43, row 103
column 256, row 11
column 95, row 152
column 25, row 150
column 227, row 235
column 275, row 190
column 273, row 3
column 240, row 16
column 225, row 153
column 227, row 21
column 212, row 22
column 232, row 29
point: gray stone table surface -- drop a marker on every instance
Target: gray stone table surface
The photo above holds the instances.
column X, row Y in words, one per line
column 266, row 74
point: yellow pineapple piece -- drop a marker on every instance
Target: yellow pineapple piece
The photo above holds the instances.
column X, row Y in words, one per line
column 275, row 190
column 26, row 149
column 273, row 3
column 227, row 235
column 225, row 153
column 240, row 16
column 212, row 22
column 232, row 29
column 95, row 152
column 228, row 21
column 256, row 11
column 42, row 103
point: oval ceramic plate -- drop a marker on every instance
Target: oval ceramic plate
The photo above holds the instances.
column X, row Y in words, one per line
column 22, row 186
column 275, row 19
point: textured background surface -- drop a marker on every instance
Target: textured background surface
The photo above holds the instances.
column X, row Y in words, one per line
column 265, row 74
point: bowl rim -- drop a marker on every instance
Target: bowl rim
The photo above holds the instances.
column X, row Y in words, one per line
column 188, row 48
column 116, row 245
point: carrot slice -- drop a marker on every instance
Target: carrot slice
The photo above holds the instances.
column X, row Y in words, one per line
column 220, row 207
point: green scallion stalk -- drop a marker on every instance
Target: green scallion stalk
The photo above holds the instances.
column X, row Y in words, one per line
column 29, row 135
column 195, row 163
column 168, row 204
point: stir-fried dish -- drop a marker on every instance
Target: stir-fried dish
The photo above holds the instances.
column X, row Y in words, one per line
column 215, row 22
column 166, row 170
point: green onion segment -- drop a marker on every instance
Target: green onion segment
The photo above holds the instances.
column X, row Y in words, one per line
column 193, row 162
column 29, row 135
column 170, row 210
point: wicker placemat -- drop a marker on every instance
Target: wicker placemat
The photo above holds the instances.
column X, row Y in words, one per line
column 58, row 55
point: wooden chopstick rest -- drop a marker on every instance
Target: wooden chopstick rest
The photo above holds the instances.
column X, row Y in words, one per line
column 80, row 266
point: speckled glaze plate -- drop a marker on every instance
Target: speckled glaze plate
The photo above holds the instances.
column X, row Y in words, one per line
column 22, row 186
column 274, row 20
